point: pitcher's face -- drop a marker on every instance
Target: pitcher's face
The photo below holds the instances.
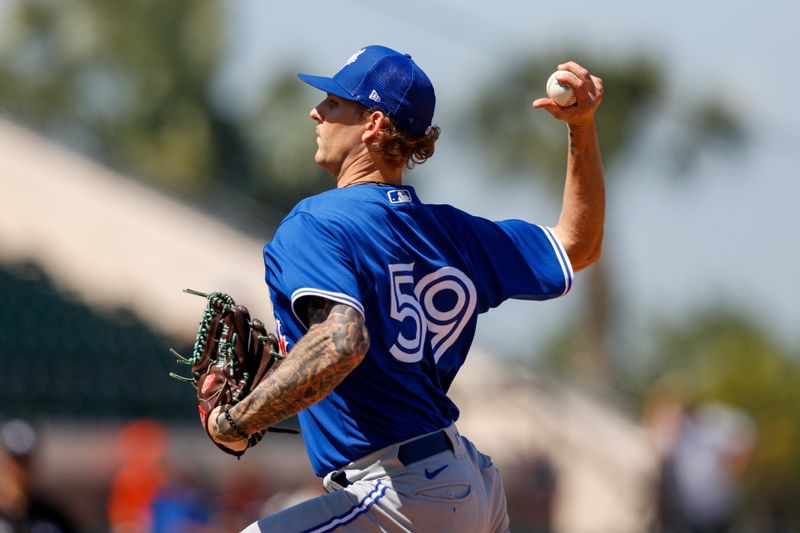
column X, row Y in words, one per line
column 340, row 126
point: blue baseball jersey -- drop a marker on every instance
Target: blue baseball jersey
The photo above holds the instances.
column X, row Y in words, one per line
column 420, row 274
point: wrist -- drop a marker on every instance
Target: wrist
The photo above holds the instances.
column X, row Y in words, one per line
column 228, row 427
column 580, row 127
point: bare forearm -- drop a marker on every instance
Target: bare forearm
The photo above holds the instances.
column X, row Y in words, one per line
column 319, row 362
column 580, row 226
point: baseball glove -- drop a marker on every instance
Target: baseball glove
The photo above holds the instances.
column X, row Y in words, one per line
column 232, row 354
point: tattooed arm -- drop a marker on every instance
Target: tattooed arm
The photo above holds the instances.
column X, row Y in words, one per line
column 335, row 344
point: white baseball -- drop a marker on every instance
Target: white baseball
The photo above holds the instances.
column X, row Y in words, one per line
column 559, row 92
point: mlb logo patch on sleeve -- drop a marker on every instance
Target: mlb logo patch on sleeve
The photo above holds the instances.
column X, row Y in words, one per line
column 399, row 196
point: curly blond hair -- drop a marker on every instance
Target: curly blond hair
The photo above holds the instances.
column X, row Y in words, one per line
column 399, row 148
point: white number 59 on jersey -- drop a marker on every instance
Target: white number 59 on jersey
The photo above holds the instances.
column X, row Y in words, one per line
column 419, row 301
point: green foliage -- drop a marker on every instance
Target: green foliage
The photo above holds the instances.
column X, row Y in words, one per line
column 721, row 356
column 125, row 81
column 283, row 127
column 635, row 95
column 709, row 124
column 521, row 143
column 131, row 84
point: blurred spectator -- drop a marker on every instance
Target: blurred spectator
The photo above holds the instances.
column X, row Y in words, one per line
column 241, row 498
column 140, row 477
column 531, row 490
column 183, row 505
column 22, row 509
column 701, row 471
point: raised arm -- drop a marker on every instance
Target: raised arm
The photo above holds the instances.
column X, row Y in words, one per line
column 580, row 226
column 335, row 344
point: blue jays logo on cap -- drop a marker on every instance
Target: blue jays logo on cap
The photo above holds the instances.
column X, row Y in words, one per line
column 379, row 77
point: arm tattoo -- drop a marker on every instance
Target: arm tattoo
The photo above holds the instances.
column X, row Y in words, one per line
column 571, row 142
column 335, row 344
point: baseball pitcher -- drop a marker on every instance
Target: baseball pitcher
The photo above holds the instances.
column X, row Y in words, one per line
column 377, row 295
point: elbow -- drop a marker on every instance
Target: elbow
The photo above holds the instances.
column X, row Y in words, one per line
column 587, row 256
column 582, row 247
column 359, row 338
column 350, row 350
column 587, row 261
column 361, row 342
column 350, row 338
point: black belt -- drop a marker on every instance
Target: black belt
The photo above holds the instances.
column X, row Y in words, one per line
column 423, row 447
column 412, row 452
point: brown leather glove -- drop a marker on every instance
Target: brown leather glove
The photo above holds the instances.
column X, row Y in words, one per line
column 232, row 354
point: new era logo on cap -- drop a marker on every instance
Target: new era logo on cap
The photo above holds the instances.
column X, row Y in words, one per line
column 379, row 77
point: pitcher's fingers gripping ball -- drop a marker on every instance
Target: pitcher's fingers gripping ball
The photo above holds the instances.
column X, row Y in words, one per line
column 573, row 94
column 232, row 354
column 558, row 91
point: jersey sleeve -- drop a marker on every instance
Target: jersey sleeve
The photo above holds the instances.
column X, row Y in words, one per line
column 306, row 258
column 522, row 261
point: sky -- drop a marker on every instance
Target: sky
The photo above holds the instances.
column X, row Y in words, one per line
column 726, row 233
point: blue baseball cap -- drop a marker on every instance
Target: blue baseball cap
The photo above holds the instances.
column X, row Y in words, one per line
column 382, row 78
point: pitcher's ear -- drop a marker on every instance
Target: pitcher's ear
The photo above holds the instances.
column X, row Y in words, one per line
column 375, row 121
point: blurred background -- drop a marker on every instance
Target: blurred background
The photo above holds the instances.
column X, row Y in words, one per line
column 152, row 146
